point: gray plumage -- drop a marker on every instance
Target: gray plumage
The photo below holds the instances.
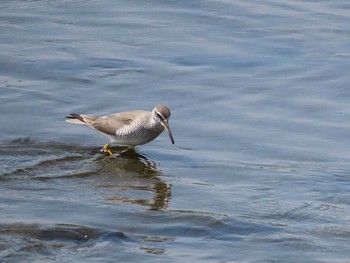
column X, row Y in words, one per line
column 129, row 128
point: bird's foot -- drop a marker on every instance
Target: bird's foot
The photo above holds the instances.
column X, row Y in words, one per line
column 106, row 150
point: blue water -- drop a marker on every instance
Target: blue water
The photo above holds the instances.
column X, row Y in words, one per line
column 260, row 115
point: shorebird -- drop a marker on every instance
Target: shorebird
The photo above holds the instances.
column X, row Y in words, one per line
column 130, row 128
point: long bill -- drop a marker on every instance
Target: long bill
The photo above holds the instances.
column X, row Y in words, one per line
column 167, row 128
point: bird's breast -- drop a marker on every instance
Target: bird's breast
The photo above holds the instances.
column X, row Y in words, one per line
column 137, row 134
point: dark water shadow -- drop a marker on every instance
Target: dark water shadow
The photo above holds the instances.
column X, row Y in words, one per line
column 20, row 242
column 64, row 232
column 128, row 177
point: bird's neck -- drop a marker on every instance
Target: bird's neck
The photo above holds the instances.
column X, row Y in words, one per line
column 152, row 123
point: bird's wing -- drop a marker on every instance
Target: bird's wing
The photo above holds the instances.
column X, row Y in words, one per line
column 110, row 123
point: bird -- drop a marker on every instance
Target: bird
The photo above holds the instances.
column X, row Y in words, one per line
column 130, row 128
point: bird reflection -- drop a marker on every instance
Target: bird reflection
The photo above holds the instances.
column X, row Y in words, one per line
column 132, row 176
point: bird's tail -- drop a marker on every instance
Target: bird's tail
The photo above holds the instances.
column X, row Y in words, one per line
column 80, row 119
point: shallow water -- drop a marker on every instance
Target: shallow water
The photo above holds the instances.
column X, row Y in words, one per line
column 260, row 115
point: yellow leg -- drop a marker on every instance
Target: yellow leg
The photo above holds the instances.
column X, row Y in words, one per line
column 106, row 150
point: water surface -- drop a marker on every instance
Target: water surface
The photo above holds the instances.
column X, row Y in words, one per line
column 260, row 116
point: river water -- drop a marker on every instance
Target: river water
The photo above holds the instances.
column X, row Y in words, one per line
column 259, row 93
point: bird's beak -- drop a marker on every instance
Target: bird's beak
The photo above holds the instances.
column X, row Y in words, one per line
column 167, row 128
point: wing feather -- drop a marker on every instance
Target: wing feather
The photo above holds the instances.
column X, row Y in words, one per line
column 109, row 124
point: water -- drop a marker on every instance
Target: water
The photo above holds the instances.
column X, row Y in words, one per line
column 260, row 116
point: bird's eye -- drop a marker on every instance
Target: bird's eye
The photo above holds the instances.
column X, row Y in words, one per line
column 159, row 115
